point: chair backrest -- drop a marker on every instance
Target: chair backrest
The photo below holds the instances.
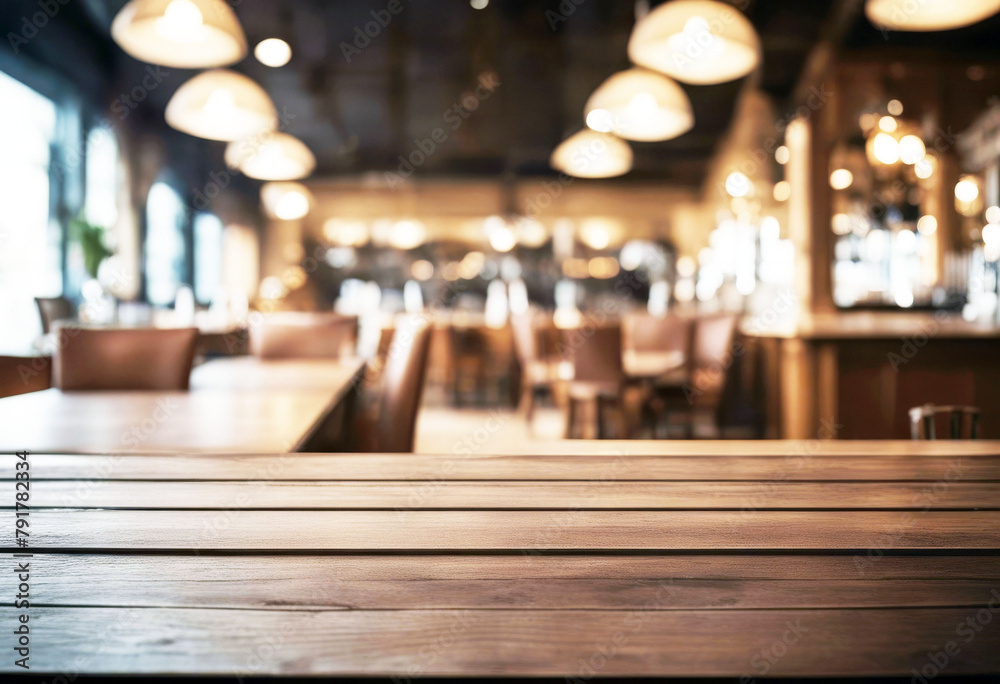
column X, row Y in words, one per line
column 963, row 421
column 52, row 309
column 123, row 358
column 20, row 375
column 402, row 385
column 525, row 338
column 645, row 332
column 302, row 335
column 595, row 353
column 712, row 340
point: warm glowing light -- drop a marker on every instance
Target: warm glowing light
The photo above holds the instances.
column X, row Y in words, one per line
column 967, row 190
column 271, row 287
column 641, row 105
column 221, row 105
column 285, row 201
column 407, row 234
column 346, row 233
column 924, row 168
column 471, row 265
column 927, row 225
column 841, row 179
column 589, row 154
column 275, row 156
column 737, row 184
column 187, row 34
column 928, row 15
column 770, row 229
column 595, row 235
column 294, row 277
column 273, row 52
column 886, row 149
column 895, row 107
column 603, row 267
column 696, row 41
column 576, row 268
column 991, row 235
column 888, row 124
column 502, row 238
column 422, row 269
column 782, row 155
column 479, row 4
column 911, row 149
column 993, row 214
column 782, row 191
column 533, row 233
column 841, row 224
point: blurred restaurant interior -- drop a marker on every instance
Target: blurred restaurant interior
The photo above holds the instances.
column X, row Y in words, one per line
column 506, row 228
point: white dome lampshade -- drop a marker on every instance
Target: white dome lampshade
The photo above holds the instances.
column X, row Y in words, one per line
column 286, row 201
column 272, row 157
column 186, row 34
column 696, row 41
column 221, row 105
column 590, row 154
column 928, row 15
column 640, row 105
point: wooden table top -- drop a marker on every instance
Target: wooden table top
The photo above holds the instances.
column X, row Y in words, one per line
column 730, row 559
column 234, row 405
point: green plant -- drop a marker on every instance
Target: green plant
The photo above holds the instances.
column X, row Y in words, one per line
column 91, row 238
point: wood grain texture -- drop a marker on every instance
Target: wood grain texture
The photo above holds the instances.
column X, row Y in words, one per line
column 500, row 642
column 719, row 462
column 498, row 495
column 512, row 582
column 459, row 531
column 238, row 418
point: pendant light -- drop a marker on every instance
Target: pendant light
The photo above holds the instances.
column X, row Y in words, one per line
column 271, row 157
column 696, row 41
column 640, row 105
column 590, row 154
column 221, row 105
column 186, row 34
column 928, row 15
column 286, row 201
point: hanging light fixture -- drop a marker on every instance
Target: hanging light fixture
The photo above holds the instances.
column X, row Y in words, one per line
column 641, row 105
column 221, row 105
column 286, row 201
column 186, row 34
column 696, row 41
column 928, row 15
column 272, row 157
column 590, row 154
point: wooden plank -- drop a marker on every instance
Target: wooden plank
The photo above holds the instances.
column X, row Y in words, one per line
column 209, row 419
column 734, row 467
column 745, row 496
column 502, row 642
column 525, row 582
column 248, row 530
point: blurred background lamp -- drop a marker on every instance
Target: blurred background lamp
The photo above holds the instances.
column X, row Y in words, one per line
column 273, row 52
column 928, row 15
column 696, row 41
column 186, row 34
column 285, row 201
column 641, row 105
column 841, row 179
column 221, row 105
column 274, row 156
column 589, row 154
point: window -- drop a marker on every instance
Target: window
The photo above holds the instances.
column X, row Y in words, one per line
column 207, row 257
column 166, row 248
column 30, row 241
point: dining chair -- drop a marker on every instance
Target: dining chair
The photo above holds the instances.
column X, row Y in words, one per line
column 963, row 421
column 595, row 355
column 20, row 374
column 303, row 334
column 539, row 369
column 657, row 355
column 123, row 358
column 52, row 309
column 402, row 386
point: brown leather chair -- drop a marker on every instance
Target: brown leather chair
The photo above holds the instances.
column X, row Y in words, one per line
column 52, row 309
column 645, row 332
column 598, row 377
column 20, row 374
column 402, row 386
column 302, row 335
column 963, row 421
column 123, row 358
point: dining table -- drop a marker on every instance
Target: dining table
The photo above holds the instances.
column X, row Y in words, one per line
column 704, row 559
column 234, row 405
